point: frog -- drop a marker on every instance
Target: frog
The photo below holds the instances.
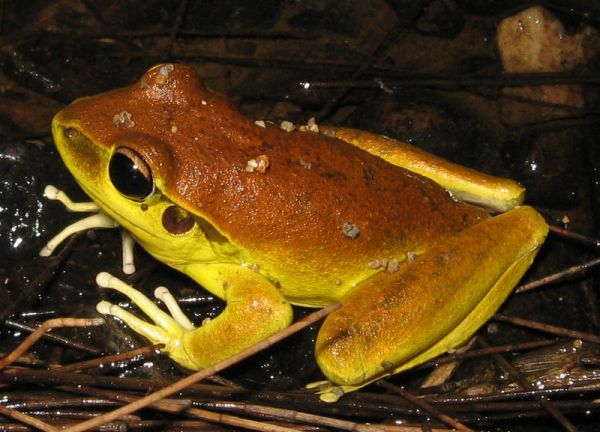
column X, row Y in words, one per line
column 420, row 252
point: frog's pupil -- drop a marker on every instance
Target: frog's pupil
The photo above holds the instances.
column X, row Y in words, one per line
column 130, row 175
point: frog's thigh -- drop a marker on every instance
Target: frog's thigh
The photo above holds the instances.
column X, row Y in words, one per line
column 392, row 322
column 493, row 193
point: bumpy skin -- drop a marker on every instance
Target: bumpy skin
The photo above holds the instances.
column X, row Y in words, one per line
column 288, row 220
column 278, row 236
column 443, row 302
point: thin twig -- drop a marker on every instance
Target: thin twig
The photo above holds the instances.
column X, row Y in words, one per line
column 313, row 419
column 109, row 359
column 223, row 33
column 575, row 237
column 27, row 419
column 43, row 328
column 178, row 407
column 54, row 377
column 487, row 351
column 257, row 410
column 200, row 375
column 457, row 82
column 176, row 25
column 384, row 44
column 443, row 371
column 55, row 338
column 548, row 328
column 570, row 272
column 426, row 406
column 526, row 384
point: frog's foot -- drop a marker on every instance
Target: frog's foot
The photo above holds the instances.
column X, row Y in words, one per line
column 255, row 310
column 330, row 392
column 97, row 220
column 395, row 321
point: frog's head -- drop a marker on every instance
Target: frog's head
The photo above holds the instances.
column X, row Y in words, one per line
column 125, row 148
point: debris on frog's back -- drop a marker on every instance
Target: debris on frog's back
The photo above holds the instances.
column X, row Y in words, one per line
column 304, row 164
column 350, row 230
column 288, row 126
column 260, row 164
column 164, row 71
column 311, row 126
column 124, row 118
column 216, row 154
column 392, row 265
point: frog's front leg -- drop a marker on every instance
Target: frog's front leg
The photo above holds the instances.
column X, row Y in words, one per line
column 255, row 310
column 98, row 220
column 395, row 321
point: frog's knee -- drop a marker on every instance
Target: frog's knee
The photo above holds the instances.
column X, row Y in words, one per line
column 339, row 353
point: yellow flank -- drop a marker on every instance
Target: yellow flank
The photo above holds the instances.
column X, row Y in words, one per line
column 417, row 272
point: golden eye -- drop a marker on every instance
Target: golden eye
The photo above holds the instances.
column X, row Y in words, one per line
column 130, row 174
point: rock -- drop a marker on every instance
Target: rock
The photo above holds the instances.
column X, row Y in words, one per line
column 535, row 41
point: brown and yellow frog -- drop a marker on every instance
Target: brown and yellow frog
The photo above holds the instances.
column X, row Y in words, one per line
column 265, row 217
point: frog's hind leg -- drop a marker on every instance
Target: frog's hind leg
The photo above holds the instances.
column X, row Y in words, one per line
column 483, row 190
column 392, row 322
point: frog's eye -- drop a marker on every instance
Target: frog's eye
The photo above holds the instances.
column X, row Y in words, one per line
column 130, row 175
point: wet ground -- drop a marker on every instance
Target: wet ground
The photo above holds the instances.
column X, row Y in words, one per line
column 428, row 72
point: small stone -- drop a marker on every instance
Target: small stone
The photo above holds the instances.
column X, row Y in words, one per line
column 287, row 126
column 260, row 164
column 305, row 165
column 124, row 118
column 251, row 165
column 393, row 265
column 163, row 74
column 263, row 163
column 350, row 230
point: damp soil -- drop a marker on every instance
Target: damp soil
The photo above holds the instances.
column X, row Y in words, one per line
column 427, row 72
